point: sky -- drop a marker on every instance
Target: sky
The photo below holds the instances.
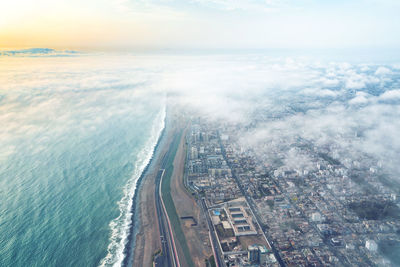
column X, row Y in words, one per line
column 205, row 24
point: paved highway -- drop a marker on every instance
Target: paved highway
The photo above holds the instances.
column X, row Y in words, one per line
column 165, row 258
column 169, row 257
column 214, row 243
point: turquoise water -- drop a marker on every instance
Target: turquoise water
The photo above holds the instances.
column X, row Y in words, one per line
column 75, row 135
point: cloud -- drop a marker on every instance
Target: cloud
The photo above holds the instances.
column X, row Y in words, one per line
column 337, row 107
column 347, row 124
column 390, row 95
column 382, row 71
column 55, row 96
column 355, row 83
column 330, row 82
column 320, row 92
column 290, row 98
column 361, row 98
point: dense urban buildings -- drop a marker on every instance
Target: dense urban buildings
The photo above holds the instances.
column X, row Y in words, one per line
column 327, row 212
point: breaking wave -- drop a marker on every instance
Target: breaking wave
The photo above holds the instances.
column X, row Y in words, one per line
column 120, row 226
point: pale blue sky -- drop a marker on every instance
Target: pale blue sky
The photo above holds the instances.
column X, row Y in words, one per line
column 206, row 24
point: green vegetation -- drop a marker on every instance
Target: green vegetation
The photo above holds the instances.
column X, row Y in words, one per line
column 210, row 262
column 224, row 233
column 168, row 201
column 158, row 251
column 155, row 254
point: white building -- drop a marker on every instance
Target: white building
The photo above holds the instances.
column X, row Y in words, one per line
column 371, row 245
column 316, row 217
column 194, row 153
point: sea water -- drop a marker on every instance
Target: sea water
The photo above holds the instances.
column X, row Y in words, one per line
column 75, row 135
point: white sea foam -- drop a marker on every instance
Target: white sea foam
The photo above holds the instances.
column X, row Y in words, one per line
column 120, row 226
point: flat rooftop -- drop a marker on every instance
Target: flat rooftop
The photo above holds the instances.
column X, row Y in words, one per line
column 240, row 220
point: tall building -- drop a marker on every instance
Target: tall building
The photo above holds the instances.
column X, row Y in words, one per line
column 263, row 254
column 253, row 254
column 194, row 153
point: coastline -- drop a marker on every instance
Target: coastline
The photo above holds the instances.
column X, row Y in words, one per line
column 123, row 227
column 143, row 240
column 129, row 250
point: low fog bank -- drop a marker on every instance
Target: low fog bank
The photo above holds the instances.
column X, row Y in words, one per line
column 350, row 111
column 281, row 105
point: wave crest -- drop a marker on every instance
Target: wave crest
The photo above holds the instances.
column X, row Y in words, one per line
column 120, row 226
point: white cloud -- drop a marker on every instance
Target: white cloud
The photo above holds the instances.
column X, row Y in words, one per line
column 330, row 82
column 319, row 92
column 382, row 71
column 391, row 95
column 355, row 84
column 43, row 99
column 359, row 99
column 364, row 68
column 327, row 92
column 226, row 88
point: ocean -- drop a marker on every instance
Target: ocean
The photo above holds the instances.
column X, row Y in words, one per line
column 75, row 135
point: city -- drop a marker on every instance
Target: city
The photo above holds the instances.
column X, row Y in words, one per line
column 263, row 214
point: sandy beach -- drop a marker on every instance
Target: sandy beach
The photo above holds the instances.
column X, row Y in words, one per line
column 147, row 241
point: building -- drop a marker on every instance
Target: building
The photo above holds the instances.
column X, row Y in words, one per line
column 258, row 254
column 240, row 220
column 316, row 217
column 263, row 254
column 194, row 153
column 253, row 254
column 371, row 245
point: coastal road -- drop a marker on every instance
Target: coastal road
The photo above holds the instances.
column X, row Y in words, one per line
column 169, row 255
column 165, row 258
column 214, row 243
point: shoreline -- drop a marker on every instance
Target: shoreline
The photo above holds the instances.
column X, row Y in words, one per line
column 120, row 249
column 143, row 239
column 129, row 250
